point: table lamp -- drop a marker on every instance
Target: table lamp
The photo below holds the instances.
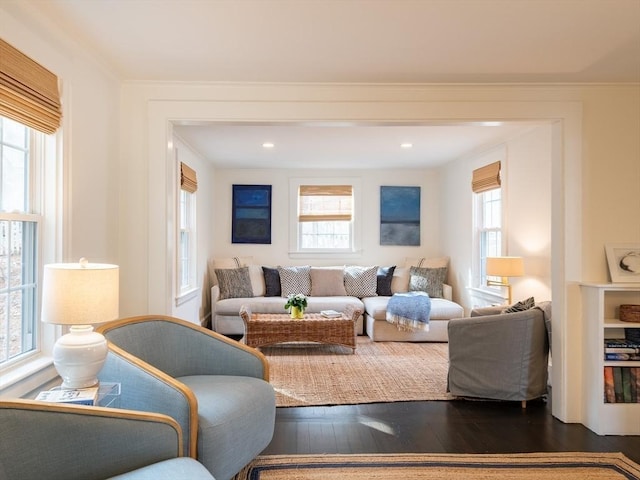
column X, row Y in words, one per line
column 504, row 267
column 79, row 295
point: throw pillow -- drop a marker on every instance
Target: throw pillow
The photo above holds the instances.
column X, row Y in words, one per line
column 427, row 280
column 521, row 306
column 272, row 282
column 361, row 281
column 327, row 282
column 234, row 282
column 231, row 262
column 385, row 276
column 295, row 280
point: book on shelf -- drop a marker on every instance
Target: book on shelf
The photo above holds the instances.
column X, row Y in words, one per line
column 621, row 384
column 79, row 396
column 618, row 357
column 331, row 313
column 621, row 343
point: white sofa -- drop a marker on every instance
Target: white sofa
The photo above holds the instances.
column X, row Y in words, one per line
column 226, row 318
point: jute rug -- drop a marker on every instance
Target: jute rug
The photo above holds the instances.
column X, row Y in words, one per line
column 314, row 374
column 525, row 466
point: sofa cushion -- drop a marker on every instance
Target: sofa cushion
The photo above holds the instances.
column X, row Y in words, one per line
column 429, row 280
column 294, row 280
column 385, row 276
column 441, row 309
column 327, row 281
column 361, row 281
column 234, row 282
column 272, row 282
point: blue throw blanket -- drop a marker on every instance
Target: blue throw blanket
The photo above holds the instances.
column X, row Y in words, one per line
column 409, row 311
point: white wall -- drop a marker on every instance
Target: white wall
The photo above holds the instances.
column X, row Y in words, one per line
column 277, row 253
column 526, row 179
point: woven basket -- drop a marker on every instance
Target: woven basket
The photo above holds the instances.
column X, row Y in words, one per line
column 630, row 313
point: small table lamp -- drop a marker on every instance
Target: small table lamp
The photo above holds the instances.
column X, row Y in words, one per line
column 80, row 294
column 504, row 267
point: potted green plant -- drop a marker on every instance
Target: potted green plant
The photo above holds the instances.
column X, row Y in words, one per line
column 296, row 304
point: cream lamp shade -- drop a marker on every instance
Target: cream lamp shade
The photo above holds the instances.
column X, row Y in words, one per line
column 79, row 295
column 504, row 267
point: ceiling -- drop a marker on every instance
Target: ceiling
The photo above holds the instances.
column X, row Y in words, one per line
column 352, row 41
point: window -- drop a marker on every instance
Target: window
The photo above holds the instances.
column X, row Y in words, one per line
column 19, row 228
column 325, row 217
column 186, row 258
column 489, row 228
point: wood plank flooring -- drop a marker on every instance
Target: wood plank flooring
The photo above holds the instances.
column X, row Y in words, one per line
column 437, row 427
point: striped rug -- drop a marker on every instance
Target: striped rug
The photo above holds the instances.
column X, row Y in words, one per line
column 525, row 466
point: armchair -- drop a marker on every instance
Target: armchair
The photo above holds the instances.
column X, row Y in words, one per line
column 500, row 356
column 67, row 442
column 215, row 388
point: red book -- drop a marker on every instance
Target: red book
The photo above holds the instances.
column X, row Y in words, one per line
column 609, row 391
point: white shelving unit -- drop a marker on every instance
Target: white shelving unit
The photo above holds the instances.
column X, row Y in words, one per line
column 600, row 312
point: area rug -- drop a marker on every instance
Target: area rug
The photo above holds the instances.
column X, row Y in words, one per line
column 524, row 466
column 315, row 374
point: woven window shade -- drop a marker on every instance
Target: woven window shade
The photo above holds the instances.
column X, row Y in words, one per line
column 325, row 203
column 188, row 178
column 486, row 178
column 29, row 92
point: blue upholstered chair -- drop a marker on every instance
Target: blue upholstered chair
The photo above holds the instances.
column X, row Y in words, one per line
column 216, row 388
column 71, row 442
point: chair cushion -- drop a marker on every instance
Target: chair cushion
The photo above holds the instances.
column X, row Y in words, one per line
column 183, row 467
column 238, row 412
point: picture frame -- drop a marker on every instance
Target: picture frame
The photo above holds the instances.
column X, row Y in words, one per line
column 623, row 260
column 399, row 215
column 251, row 214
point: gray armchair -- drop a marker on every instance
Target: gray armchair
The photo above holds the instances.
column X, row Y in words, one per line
column 72, row 442
column 500, row 356
column 216, row 388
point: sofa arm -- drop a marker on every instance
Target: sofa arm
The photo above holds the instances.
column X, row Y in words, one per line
column 492, row 310
column 215, row 295
column 55, row 441
column 447, row 292
column 501, row 356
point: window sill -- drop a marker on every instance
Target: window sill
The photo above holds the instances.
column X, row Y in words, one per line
column 186, row 296
column 30, row 375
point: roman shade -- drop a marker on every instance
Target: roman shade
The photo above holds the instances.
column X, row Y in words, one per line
column 325, row 203
column 486, row 178
column 29, row 92
column 188, row 178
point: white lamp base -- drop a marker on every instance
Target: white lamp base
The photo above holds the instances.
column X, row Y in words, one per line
column 79, row 356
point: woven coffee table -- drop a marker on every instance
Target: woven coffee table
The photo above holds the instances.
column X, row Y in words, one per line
column 263, row 329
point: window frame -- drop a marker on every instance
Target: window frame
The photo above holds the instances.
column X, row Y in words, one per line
column 295, row 230
column 46, row 177
column 479, row 229
column 185, row 228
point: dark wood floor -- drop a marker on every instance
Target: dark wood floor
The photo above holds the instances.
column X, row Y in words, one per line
column 437, row 427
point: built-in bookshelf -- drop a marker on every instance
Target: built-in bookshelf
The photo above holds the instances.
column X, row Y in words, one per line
column 603, row 412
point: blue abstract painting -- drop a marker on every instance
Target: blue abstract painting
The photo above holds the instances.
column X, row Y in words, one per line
column 399, row 215
column 251, row 214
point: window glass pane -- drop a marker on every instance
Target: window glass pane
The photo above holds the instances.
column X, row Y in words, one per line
column 14, row 133
column 17, row 288
column 13, row 179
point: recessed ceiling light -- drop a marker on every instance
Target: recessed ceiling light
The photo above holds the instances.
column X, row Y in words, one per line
column 268, row 145
column 406, row 145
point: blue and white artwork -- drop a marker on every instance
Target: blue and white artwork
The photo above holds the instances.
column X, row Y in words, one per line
column 399, row 215
column 251, row 216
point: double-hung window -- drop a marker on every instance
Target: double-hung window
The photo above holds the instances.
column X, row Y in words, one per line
column 488, row 227
column 186, row 258
column 19, row 228
column 325, row 215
